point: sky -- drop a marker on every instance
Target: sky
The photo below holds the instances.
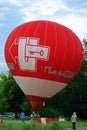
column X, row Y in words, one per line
column 72, row 14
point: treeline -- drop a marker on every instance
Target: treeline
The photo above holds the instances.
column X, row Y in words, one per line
column 72, row 98
column 11, row 96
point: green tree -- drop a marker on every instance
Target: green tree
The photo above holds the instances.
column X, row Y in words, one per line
column 11, row 97
column 85, row 49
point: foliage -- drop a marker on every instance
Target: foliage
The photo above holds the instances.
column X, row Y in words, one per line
column 49, row 111
column 11, row 97
column 85, row 48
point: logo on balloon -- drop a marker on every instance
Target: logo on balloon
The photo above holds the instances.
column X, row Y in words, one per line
column 29, row 51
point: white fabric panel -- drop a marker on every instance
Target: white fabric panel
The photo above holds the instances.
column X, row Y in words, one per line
column 23, row 58
column 39, row 87
column 43, row 120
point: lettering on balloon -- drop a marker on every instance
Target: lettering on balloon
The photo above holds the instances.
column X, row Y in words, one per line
column 65, row 74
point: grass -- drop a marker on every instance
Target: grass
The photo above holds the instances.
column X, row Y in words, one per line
column 30, row 125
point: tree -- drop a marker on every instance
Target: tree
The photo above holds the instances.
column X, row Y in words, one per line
column 11, row 97
column 85, row 49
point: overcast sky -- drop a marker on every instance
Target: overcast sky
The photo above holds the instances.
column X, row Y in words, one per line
column 72, row 14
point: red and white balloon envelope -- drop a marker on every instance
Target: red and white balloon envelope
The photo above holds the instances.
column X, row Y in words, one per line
column 43, row 57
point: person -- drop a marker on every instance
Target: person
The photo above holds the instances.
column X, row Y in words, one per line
column 22, row 116
column 74, row 120
column 34, row 116
column 31, row 116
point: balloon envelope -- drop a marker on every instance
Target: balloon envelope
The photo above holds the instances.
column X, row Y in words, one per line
column 43, row 57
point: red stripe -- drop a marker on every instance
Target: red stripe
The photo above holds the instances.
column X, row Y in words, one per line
column 36, row 101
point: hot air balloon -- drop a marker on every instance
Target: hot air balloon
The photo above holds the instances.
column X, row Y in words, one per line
column 43, row 57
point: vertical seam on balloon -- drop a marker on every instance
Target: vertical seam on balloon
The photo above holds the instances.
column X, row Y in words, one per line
column 35, row 32
column 26, row 24
column 65, row 48
column 37, row 28
column 17, row 30
column 73, row 69
column 79, row 54
column 12, row 33
column 27, row 28
column 55, row 46
column 73, row 47
column 10, row 39
column 20, row 28
column 73, row 51
column 44, row 44
column 34, row 36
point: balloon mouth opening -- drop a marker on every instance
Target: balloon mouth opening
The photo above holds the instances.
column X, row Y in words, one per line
column 36, row 102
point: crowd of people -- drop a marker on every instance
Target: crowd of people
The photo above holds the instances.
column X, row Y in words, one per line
column 34, row 116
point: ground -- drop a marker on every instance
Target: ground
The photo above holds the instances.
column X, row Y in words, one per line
column 19, row 122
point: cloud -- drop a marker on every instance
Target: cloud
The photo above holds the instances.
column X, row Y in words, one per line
column 2, row 63
column 42, row 9
column 5, row 9
column 74, row 22
column 3, row 66
column 0, row 24
column 59, row 11
column 13, row 2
